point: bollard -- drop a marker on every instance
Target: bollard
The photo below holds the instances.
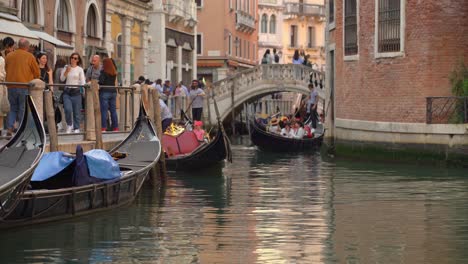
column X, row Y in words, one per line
column 157, row 121
column 90, row 129
column 36, row 90
column 151, row 105
column 97, row 113
column 121, row 103
column 136, row 102
column 50, row 113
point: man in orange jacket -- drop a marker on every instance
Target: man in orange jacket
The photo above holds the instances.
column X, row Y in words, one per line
column 21, row 67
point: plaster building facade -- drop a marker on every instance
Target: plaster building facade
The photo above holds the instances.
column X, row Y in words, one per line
column 57, row 27
column 227, row 37
column 387, row 61
column 127, row 37
column 172, row 43
column 290, row 25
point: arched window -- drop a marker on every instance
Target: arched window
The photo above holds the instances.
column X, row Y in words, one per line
column 119, row 46
column 264, row 24
column 63, row 16
column 91, row 22
column 272, row 24
column 29, row 11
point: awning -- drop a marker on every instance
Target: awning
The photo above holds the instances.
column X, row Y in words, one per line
column 62, row 48
column 11, row 26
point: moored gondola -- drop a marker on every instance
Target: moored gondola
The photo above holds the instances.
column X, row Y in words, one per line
column 19, row 157
column 186, row 152
column 136, row 155
column 268, row 141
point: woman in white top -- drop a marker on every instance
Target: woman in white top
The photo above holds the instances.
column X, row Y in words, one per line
column 73, row 75
column 297, row 131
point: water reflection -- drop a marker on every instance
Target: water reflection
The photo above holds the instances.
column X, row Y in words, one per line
column 269, row 208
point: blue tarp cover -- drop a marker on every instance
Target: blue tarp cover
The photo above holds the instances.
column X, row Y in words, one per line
column 101, row 165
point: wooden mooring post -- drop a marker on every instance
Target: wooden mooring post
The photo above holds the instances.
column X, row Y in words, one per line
column 97, row 113
column 50, row 114
column 160, row 169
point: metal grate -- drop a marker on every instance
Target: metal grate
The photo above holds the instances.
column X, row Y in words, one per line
column 389, row 25
column 350, row 27
column 447, row 110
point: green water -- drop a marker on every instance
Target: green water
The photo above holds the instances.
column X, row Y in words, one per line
column 266, row 208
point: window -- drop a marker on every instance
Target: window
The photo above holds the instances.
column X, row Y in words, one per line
column 230, row 44
column 310, row 37
column 388, row 29
column 237, row 46
column 293, row 36
column 119, row 46
column 272, row 24
column 264, row 24
column 199, row 3
column 248, row 50
column 247, row 3
column 331, row 12
column 254, row 52
column 63, row 16
column 29, row 11
column 240, row 48
column 230, row 4
column 91, row 22
column 350, row 28
column 199, row 44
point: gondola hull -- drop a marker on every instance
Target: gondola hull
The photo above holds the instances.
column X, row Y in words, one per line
column 267, row 141
column 19, row 157
column 209, row 154
column 39, row 206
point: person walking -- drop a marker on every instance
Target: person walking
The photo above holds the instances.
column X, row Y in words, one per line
column 94, row 70
column 21, row 67
column 107, row 95
column 196, row 97
column 73, row 74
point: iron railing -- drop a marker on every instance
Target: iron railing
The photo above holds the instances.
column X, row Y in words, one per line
column 447, row 110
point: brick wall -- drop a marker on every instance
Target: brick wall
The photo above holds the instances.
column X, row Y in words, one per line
column 394, row 89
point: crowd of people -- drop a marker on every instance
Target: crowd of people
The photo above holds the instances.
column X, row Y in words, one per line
column 67, row 80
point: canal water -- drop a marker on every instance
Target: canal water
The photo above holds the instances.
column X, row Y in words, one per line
column 270, row 208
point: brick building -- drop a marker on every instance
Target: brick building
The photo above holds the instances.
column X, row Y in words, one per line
column 384, row 59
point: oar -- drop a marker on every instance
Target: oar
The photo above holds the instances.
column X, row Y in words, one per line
column 227, row 144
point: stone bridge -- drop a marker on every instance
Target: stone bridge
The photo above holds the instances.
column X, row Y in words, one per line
column 251, row 84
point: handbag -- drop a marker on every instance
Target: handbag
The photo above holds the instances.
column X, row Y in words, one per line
column 5, row 102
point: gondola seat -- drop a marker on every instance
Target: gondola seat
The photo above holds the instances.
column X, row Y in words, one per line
column 183, row 144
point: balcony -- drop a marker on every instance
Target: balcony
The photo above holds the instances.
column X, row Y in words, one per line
column 244, row 21
column 304, row 10
column 179, row 10
column 269, row 2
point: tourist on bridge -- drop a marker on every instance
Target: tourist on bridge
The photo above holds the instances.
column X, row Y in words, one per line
column 46, row 72
column 266, row 57
column 73, row 74
column 297, row 59
column 94, row 70
column 108, row 95
column 196, row 97
column 20, row 66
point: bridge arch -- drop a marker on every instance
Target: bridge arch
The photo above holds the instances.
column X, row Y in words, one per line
column 234, row 91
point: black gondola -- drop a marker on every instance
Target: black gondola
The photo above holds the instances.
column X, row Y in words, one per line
column 276, row 143
column 139, row 152
column 19, row 157
column 205, row 155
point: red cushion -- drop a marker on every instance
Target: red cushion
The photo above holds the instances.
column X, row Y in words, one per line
column 169, row 144
column 187, row 142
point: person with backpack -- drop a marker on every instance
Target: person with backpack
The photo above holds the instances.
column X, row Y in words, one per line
column 276, row 57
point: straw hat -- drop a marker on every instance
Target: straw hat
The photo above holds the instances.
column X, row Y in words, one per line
column 274, row 121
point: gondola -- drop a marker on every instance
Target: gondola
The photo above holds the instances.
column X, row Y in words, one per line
column 267, row 141
column 19, row 157
column 138, row 153
column 191, row 154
